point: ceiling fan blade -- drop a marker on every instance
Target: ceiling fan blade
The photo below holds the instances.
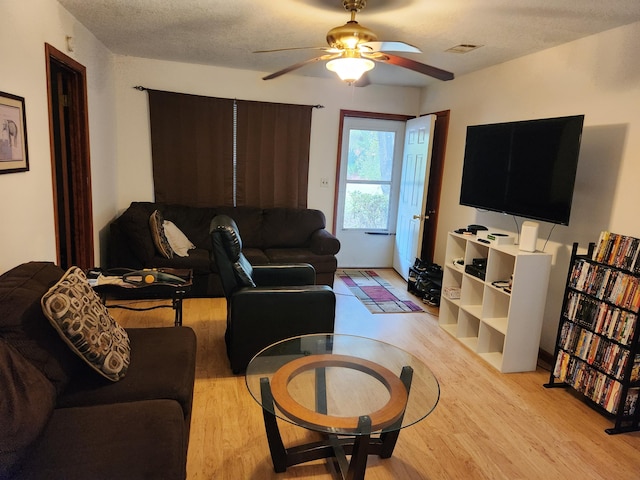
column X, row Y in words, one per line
column 292, row 48
column 390, row 47
column 415, row 66
column 300, row 64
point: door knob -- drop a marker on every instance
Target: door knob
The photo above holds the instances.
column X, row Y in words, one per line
column 420, row 217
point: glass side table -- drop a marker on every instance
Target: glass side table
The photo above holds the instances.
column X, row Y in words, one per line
column 358, row 392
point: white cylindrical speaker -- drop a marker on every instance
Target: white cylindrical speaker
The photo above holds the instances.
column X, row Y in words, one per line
column 528, row 236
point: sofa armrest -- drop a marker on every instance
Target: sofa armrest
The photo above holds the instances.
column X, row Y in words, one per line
column 119, row 251
column 130, row 231
column 324, row 243
column 289, row 274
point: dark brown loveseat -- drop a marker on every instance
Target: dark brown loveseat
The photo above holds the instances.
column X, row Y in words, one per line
column 60, row 419
column 270, row 235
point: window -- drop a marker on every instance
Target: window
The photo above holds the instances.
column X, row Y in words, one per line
column 368, row 179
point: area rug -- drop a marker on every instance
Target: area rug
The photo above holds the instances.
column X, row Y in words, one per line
column 376, row 293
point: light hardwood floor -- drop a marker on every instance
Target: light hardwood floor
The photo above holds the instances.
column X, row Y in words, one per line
column 487, row 425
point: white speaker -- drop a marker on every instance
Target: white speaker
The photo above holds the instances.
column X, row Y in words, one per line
column 528, row 236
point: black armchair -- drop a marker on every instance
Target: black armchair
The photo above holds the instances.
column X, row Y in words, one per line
column 265, row 304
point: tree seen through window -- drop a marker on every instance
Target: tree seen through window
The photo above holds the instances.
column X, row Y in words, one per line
column 369, row 173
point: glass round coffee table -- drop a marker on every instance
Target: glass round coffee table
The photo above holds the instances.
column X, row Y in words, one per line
column 357, row 391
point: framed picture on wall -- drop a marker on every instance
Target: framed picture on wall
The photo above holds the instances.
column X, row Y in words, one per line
column 13, row 134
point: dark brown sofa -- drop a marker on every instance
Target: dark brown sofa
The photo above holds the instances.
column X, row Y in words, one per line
column 270, row 236
column 60, row 419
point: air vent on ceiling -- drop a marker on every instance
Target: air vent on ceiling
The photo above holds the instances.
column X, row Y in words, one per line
column 462, row 48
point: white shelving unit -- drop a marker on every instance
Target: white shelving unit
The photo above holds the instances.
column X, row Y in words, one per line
column 502, row 328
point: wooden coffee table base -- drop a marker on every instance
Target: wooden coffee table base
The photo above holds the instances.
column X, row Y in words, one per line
column 334, row 447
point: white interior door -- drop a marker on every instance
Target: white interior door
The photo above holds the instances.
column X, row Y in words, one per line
column 368, row 188
column 413, row 192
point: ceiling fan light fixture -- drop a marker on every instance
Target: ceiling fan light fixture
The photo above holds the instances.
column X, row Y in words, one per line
column 350, row 69
column 353, row 49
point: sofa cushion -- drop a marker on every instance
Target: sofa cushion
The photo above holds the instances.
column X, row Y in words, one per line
column 83, row 322
column 24, row 325
column 198, row 259
column 255, row 256
column 26, row 403
column 321, row 263
column 249, row 221
column 156, row 226
column 169, row 353
column 136, row 440
column 192, row 221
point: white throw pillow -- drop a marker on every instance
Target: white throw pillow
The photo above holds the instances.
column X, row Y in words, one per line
column 179, row 242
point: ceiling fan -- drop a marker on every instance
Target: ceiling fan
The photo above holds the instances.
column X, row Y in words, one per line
column 353, row 50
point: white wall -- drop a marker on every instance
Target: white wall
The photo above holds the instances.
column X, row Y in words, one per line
column 118, row 122
column 26, row 199
column 596, row 76
column 134, row 148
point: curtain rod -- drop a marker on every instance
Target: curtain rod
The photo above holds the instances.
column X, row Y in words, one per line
column 142, row 89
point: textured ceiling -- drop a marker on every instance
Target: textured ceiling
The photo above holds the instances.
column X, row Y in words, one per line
column 227, row 32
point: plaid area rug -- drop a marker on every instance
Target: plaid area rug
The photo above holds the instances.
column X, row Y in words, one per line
column 376, row 293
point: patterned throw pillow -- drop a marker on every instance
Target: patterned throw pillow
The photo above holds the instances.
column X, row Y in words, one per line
column 83, row 322
column 156, row 224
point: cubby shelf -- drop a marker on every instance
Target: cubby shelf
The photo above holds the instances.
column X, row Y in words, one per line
column 503, row 327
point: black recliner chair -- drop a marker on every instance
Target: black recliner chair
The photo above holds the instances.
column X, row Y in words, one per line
column 265, row 303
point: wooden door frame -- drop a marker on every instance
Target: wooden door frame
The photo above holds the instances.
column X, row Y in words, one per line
column 79, row 159
column 436, row 171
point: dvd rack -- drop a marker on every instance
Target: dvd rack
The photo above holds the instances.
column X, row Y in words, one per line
column 619, row 251
column 596, row 351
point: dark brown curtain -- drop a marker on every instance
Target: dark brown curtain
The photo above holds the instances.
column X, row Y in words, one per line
column 273, row 154
column 192, row 148
column 192, row 140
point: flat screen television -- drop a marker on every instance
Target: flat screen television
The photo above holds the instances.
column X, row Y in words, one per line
column 524, row 168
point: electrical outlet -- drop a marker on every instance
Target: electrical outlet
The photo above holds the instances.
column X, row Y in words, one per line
column 324, row 182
